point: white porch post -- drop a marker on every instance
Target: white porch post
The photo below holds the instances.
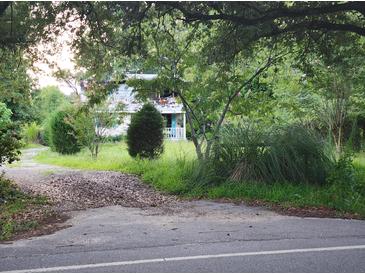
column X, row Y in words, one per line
column 184, row 126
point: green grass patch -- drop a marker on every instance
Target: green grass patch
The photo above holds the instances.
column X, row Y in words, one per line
column 14, row 206
column 172, row 172
column 289, row 195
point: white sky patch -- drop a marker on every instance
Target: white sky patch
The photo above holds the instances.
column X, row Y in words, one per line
column 59, row 54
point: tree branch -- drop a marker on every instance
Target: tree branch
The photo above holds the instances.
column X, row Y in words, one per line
column 269, row 62
column 270, row 15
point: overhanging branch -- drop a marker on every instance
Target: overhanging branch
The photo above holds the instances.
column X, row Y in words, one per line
column 271, row 15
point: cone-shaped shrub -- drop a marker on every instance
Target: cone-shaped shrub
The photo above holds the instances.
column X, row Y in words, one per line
column 63, row 134
column 145, row 133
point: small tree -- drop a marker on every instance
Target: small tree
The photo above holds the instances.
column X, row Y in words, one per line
column 9, row 137
column 145, row 133
column 63, row 133
column 92, row 124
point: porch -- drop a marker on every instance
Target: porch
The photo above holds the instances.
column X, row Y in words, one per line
column 174, row 126
column 174, row 133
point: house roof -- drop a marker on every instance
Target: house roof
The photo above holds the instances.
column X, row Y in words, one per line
column 125, row 95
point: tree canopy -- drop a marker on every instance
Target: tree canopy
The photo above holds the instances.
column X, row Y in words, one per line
column 221, row 59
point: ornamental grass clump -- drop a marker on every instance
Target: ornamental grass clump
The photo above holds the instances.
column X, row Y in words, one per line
column 145, row 133
column 278, row 154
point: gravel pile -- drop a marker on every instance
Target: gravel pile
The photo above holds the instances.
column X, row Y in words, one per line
column 80, row 190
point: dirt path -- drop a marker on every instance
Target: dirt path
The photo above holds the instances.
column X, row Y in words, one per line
column 27, row 173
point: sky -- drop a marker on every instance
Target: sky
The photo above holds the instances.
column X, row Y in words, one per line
column 63, row 58
column 44, row 75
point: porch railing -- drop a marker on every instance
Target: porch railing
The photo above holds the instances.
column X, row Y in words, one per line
column 176, row 133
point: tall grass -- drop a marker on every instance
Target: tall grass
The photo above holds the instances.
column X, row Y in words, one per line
column 278, row 154
column 31, row 133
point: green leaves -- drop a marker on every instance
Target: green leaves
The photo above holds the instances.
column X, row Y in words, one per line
column 15, row 84
column 145, row 133
column 48, row 100
column 9, row 137
column 63, row 133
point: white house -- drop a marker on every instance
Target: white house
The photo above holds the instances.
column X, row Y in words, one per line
column 171, row 110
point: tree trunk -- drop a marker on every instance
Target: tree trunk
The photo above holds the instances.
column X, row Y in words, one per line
column 96, row 150
column 194, row 137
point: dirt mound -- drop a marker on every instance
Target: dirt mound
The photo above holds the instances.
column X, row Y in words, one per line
column 90, row 189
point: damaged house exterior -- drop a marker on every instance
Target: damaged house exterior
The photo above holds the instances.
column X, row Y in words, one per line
column 167, row 104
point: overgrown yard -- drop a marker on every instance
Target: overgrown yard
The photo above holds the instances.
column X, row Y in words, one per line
column 165, row 173
column 172, row 173
column 20, row 212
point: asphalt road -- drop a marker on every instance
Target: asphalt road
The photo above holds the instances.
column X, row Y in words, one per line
column 198, row 237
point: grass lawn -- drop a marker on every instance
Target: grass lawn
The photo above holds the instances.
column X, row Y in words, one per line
column 170, row 174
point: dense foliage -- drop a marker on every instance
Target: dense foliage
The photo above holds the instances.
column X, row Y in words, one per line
column 276, row 154
column 15, row 203
column 145, row 133
column 92, row 123
column 31, row 133
column 15, row 84
column 48, row 100
column 9, row 137
column 295, row 68
column 63, row 134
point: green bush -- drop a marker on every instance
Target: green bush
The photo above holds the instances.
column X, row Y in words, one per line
column 145, row 133
column 280, row 154
column 9, row 137
column 31, row 133
column 347, row 183
column 63, row 134
column 343, row 171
